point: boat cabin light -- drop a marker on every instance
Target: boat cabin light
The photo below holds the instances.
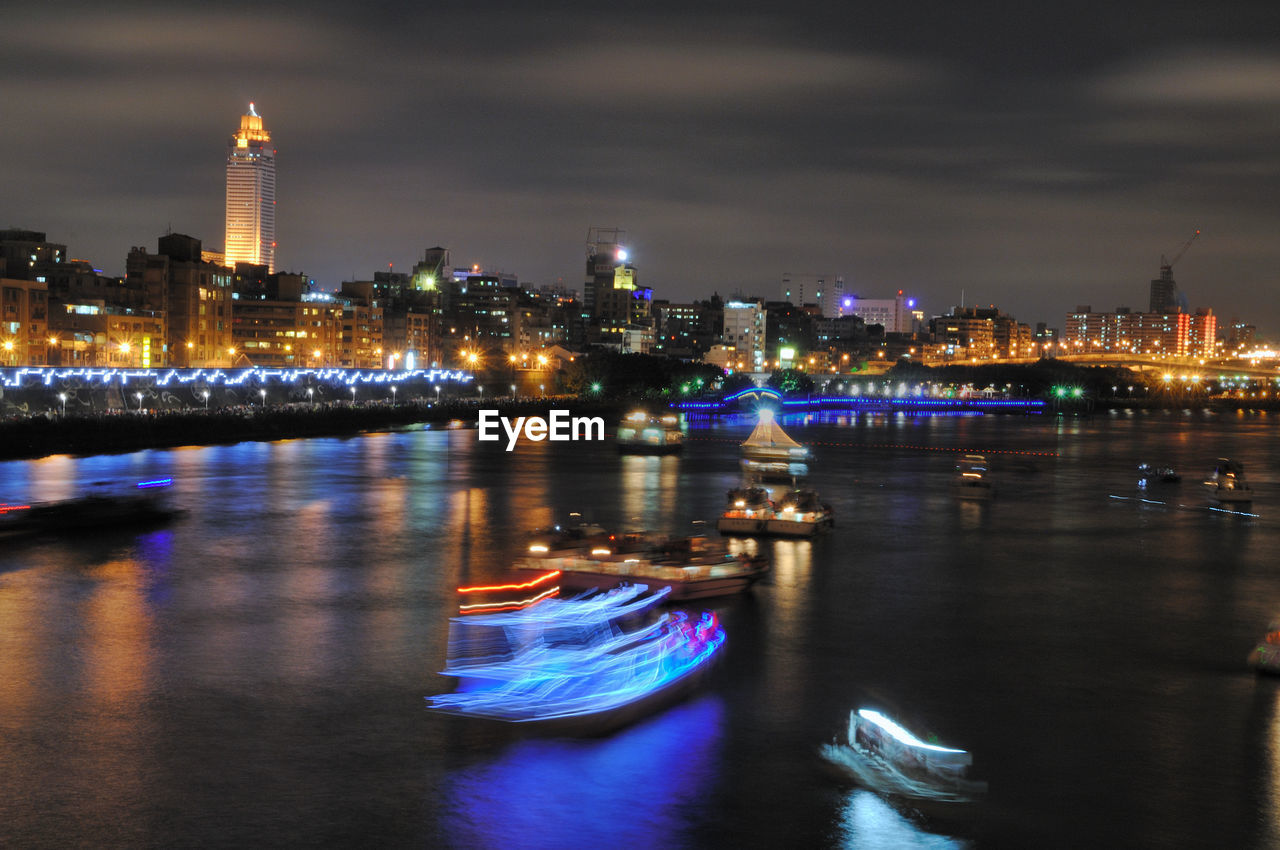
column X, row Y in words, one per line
column 900, row 734
column 638, row 416
column 740, row 504
column 538, row 548
column 600, row 551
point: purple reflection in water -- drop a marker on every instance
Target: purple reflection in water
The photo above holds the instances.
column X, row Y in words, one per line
column 619, row 791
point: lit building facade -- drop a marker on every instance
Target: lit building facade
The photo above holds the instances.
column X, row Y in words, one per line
column 251, row 195
column 98, row 334
column 825, row 291
column 897, row 315
column 24, row 323
column 287, row 334
column 192, row 296
column 1171, row 334
column 744, row 329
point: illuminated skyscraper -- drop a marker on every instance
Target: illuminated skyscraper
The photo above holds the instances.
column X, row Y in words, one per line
column 251, row 195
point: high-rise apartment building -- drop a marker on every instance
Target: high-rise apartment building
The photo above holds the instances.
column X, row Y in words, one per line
column 251, row 195
column 826, row 291
column 744, row 329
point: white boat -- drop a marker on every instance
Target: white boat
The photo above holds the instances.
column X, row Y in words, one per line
column 972, row 478
column 640, row 433
column 1226, row 485
column 769, row 452
column 799, row 514
column 748, row 510
column 1265, row 657
column 887, row 758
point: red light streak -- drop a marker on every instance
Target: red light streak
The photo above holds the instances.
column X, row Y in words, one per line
column 498, row 607
column 534, row 583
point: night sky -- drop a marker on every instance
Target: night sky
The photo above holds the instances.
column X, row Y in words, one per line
column 1030, row 157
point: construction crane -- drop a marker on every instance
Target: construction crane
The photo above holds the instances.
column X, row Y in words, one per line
column 1165, row 297
column 1178, row 256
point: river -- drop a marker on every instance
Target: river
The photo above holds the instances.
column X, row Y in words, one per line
column 254, row 673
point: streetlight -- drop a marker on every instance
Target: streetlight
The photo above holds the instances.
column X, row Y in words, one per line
column 139, row 396
column 437, row 393
column 63, row 398
column 311, row 395
column 393, row 396
column 206, row 400
column 353, row 396
column 263, row 393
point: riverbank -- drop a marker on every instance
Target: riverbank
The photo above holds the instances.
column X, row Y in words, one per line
column 113, row 431
column 108, row 432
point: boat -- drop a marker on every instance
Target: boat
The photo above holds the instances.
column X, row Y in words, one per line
column 798, row 513
column 885, row 757
column 102, row 507
column 571, row 537
column 1164, row 474
column 574, row 665
column 972, row 479
column 691, row 567
column 640, row 433
column 1265, row 657
column 1227, row 487
column 770, row 453
column 747, row 512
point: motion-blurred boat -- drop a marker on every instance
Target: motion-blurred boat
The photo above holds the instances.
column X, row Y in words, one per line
column 640, row 433
column 690, row 567
column 570, row 665
column 1164, row 474
column 769, row 452
column 102, row 507
column 575, row 536
column 885, row 757
column 1227, row 487
column 972, row 478
column 1265, row 657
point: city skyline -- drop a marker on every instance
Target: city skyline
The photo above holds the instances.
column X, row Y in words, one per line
column 1032, row 164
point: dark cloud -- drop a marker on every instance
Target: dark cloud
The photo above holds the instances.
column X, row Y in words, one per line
column 1034, row 159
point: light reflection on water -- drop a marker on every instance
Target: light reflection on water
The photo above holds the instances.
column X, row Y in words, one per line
column 869, row 823
column 619, row 791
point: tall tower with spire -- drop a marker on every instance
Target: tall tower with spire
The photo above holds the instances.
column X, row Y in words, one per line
column 251, row 194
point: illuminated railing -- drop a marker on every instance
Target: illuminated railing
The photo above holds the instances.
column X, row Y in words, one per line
column 18, row 378
column 879, row 403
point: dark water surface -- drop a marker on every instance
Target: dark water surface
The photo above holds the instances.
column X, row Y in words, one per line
column 254, row 673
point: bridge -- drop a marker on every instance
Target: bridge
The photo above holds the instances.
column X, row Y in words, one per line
column 1147, row 363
